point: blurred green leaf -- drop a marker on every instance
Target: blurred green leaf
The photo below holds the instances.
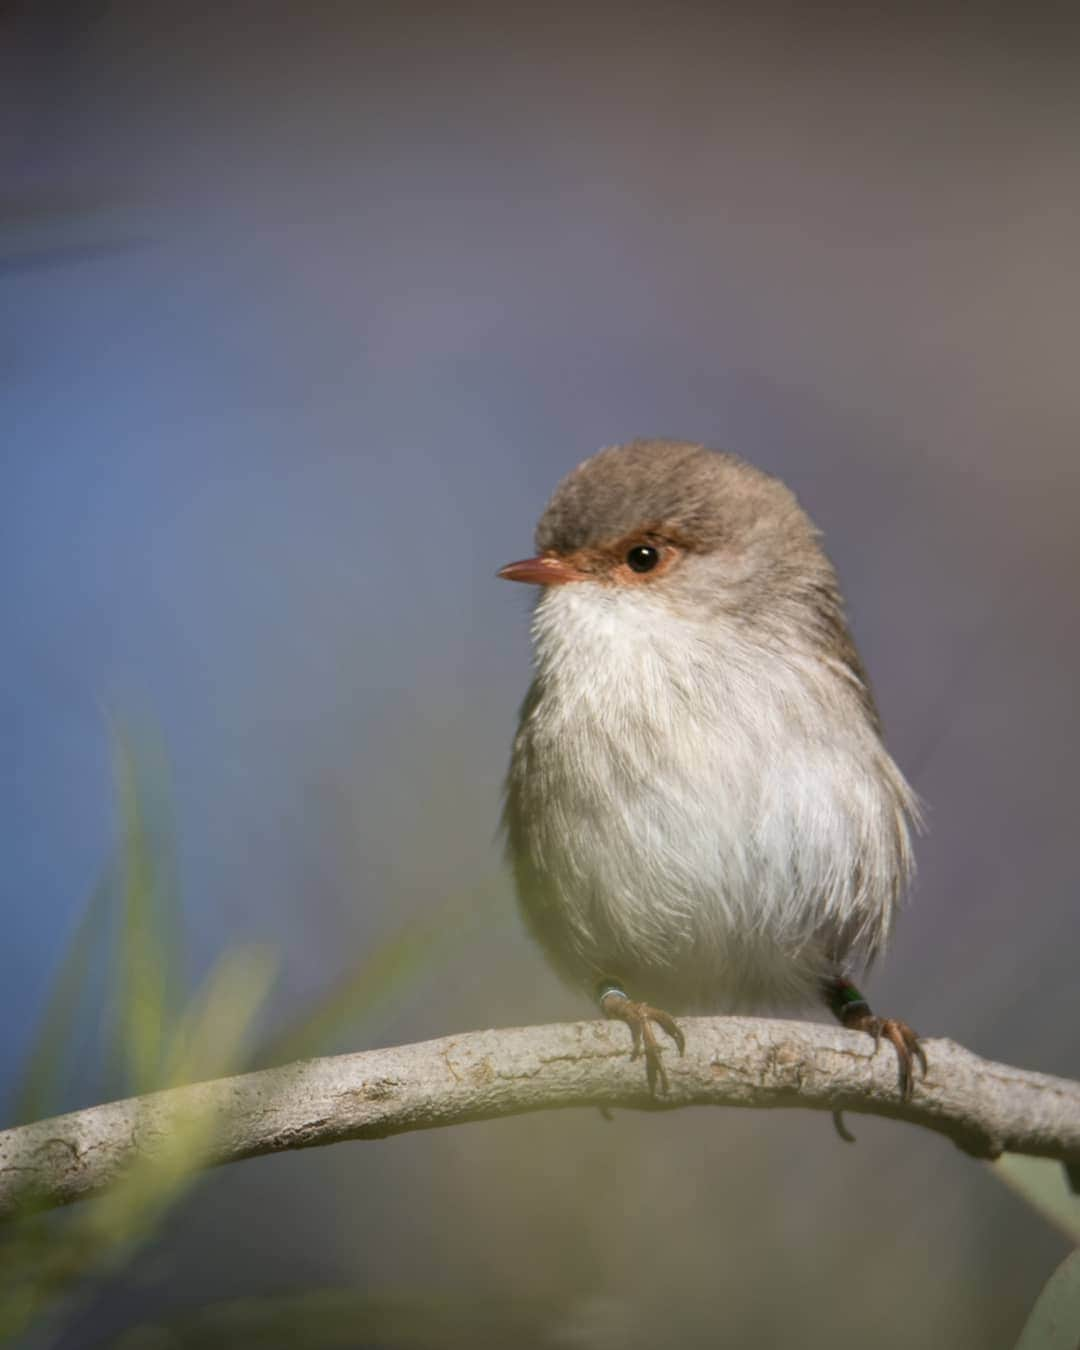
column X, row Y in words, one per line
column 1054, row 1323
column 211, row 1041
column 158, row 1039
column 397, row 960
column 40, row 1091
column 158, row 1043
column 1043, row 1184
column 214, row 1034
column 149, row 936
column 48, row 1255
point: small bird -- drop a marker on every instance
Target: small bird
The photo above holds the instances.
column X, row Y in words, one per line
column 700, row 811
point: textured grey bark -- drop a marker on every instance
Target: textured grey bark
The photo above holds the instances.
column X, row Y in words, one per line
column 985, row 1108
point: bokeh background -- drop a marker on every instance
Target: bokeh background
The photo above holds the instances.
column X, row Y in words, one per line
column 306, row 307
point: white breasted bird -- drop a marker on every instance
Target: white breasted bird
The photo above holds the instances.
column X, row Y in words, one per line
column 700, row 811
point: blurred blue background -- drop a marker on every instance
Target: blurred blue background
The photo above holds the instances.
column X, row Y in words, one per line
column 306, row 308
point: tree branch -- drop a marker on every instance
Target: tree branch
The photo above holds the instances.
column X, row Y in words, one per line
column 983, row 1107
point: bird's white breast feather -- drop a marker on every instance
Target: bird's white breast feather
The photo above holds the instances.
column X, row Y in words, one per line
column 681, row 816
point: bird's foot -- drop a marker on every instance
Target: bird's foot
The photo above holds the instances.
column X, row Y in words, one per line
column 853, row 1012
column 639, row 1017
column 906, row 1042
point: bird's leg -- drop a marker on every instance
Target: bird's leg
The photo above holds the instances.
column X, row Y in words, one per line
column 639, row 1017
column 849, row 1007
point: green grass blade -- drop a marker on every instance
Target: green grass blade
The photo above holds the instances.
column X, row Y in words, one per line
column 416, row 946
column 38, row 1094
column 149, row 961
column 1043, row 1184
column 215, row 1033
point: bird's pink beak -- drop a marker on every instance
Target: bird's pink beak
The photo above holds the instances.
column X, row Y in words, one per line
column 542, row 571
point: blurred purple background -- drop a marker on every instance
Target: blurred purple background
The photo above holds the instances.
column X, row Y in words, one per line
column 306, row 308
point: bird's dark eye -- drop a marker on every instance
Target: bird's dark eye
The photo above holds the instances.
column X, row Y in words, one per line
column 642, row 558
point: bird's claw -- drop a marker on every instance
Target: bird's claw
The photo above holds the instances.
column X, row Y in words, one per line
column 639, row 1017
column 904, row 1040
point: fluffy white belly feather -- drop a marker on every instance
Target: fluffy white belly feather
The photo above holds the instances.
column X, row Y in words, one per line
column 684, row 825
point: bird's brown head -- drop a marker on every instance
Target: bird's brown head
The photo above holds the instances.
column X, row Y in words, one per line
column 704, row 528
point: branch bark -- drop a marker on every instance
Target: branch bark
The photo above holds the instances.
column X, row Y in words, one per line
column 983, row 1107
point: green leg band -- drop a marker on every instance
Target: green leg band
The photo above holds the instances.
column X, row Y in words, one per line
column 844, row 999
